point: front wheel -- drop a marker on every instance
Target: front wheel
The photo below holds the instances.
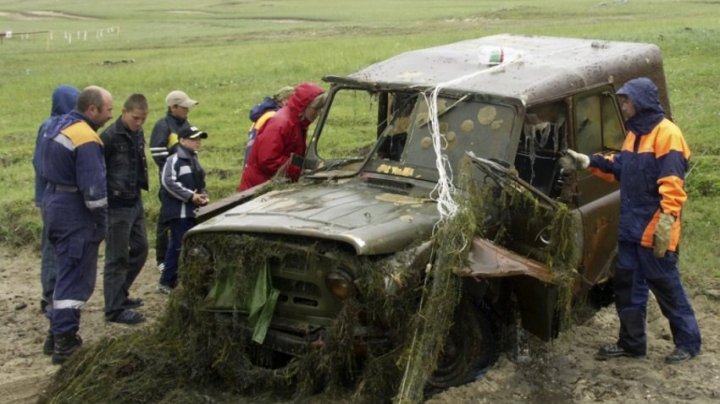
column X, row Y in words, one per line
column 470, row 347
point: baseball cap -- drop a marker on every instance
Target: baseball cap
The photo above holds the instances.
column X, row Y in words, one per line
column 192, row 133
column 178, row 97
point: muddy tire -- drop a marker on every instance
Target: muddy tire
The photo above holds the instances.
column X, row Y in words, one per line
column 470, row 347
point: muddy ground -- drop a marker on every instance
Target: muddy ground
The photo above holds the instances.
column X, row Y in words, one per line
column 559, row 372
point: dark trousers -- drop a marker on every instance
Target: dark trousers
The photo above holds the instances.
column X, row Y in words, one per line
column 638, row 271
column 48, row 269
column 76, row 240
column 178, row 228
column 162, row 236
column 126, row 249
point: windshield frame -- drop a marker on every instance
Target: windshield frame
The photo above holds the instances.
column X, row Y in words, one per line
column 370, row 164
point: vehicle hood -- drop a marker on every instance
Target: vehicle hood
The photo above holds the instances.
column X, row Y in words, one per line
column 371, row 219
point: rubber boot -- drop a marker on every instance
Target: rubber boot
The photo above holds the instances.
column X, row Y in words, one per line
column 65, row 345
column 49, row 344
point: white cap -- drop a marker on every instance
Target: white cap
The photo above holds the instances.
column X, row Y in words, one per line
column 178, row 97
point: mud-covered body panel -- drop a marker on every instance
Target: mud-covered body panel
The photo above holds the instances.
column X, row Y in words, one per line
column 372, row 220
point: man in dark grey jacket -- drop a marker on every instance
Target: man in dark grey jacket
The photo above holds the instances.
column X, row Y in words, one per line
column 126, row 246
column 163, row 143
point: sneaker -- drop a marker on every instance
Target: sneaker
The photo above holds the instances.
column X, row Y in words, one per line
column 615, row 351
column 161, row 267
column 131, row 303
column 678, row 355
column 65, row 345
column 164, row 289
column 126, row 316
column 49, row 344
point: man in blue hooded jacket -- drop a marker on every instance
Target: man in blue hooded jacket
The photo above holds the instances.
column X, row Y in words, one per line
column 64, row 98
column 651, row 170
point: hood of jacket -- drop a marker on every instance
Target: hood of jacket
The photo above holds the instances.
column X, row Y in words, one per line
column 303, row 95
column 268, row 104
column 64, row 98
column 643, row 94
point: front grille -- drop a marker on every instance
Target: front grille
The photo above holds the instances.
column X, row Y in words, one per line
column 299, row 275
column 297, row 266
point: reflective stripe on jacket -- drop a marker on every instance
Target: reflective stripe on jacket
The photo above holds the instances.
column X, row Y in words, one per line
column 164, row 138
column 181, row 176
column 73, row 156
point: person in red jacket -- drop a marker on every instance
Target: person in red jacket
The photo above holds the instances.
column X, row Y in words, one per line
column 282, row 137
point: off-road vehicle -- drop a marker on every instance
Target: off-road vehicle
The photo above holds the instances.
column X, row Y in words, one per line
column 360, row 222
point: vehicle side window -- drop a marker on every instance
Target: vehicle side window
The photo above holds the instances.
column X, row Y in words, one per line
column 597, row 124
column 613, row 132
column 598, row 129
column 588, row 124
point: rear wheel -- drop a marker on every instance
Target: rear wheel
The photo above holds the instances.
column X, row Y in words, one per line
column 469, row 348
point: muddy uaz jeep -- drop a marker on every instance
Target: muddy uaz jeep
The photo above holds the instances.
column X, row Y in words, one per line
column 350, row 249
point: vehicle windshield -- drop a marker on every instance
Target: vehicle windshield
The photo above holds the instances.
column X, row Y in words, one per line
column 391, row 131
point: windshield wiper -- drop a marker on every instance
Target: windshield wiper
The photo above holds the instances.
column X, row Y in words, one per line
column 501, row 173
column 333, row 164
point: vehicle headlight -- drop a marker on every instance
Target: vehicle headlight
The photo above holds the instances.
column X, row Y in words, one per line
column 340, row 283
column 199, row 257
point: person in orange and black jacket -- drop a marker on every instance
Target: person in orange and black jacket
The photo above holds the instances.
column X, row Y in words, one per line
column 651, row 170
column 283, row 137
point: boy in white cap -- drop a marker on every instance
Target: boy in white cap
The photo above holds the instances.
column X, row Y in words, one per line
column 163, row 142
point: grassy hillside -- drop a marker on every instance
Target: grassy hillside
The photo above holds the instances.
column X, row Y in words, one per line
column 228, row 55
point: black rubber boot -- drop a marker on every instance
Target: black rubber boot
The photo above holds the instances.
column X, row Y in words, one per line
column 65, row 345
column 49, row 344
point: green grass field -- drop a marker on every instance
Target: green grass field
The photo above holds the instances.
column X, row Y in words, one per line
column 228, row 55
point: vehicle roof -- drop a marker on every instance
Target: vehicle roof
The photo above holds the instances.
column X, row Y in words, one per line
column 534, row 69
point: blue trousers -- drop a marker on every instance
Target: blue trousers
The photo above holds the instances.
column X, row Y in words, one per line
column 75, row 239
column 638, row 271
column 178, row 228
column 48, row 269
column 126, row 249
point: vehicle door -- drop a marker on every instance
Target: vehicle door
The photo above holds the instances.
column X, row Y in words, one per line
column 598, row 128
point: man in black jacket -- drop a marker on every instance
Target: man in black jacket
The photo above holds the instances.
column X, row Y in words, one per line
column 126, row 246
column 163, row 142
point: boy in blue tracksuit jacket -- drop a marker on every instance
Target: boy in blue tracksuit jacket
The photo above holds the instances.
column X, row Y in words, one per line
column 183, row 190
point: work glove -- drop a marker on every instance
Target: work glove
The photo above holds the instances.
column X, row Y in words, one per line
column 663, row 231
column 573, row 161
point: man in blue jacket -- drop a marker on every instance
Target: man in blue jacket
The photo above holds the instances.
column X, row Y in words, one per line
column 75, row 210
column 64, row 98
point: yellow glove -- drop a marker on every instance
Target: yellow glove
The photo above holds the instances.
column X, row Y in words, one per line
column 663, row 231
column 581, row 161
